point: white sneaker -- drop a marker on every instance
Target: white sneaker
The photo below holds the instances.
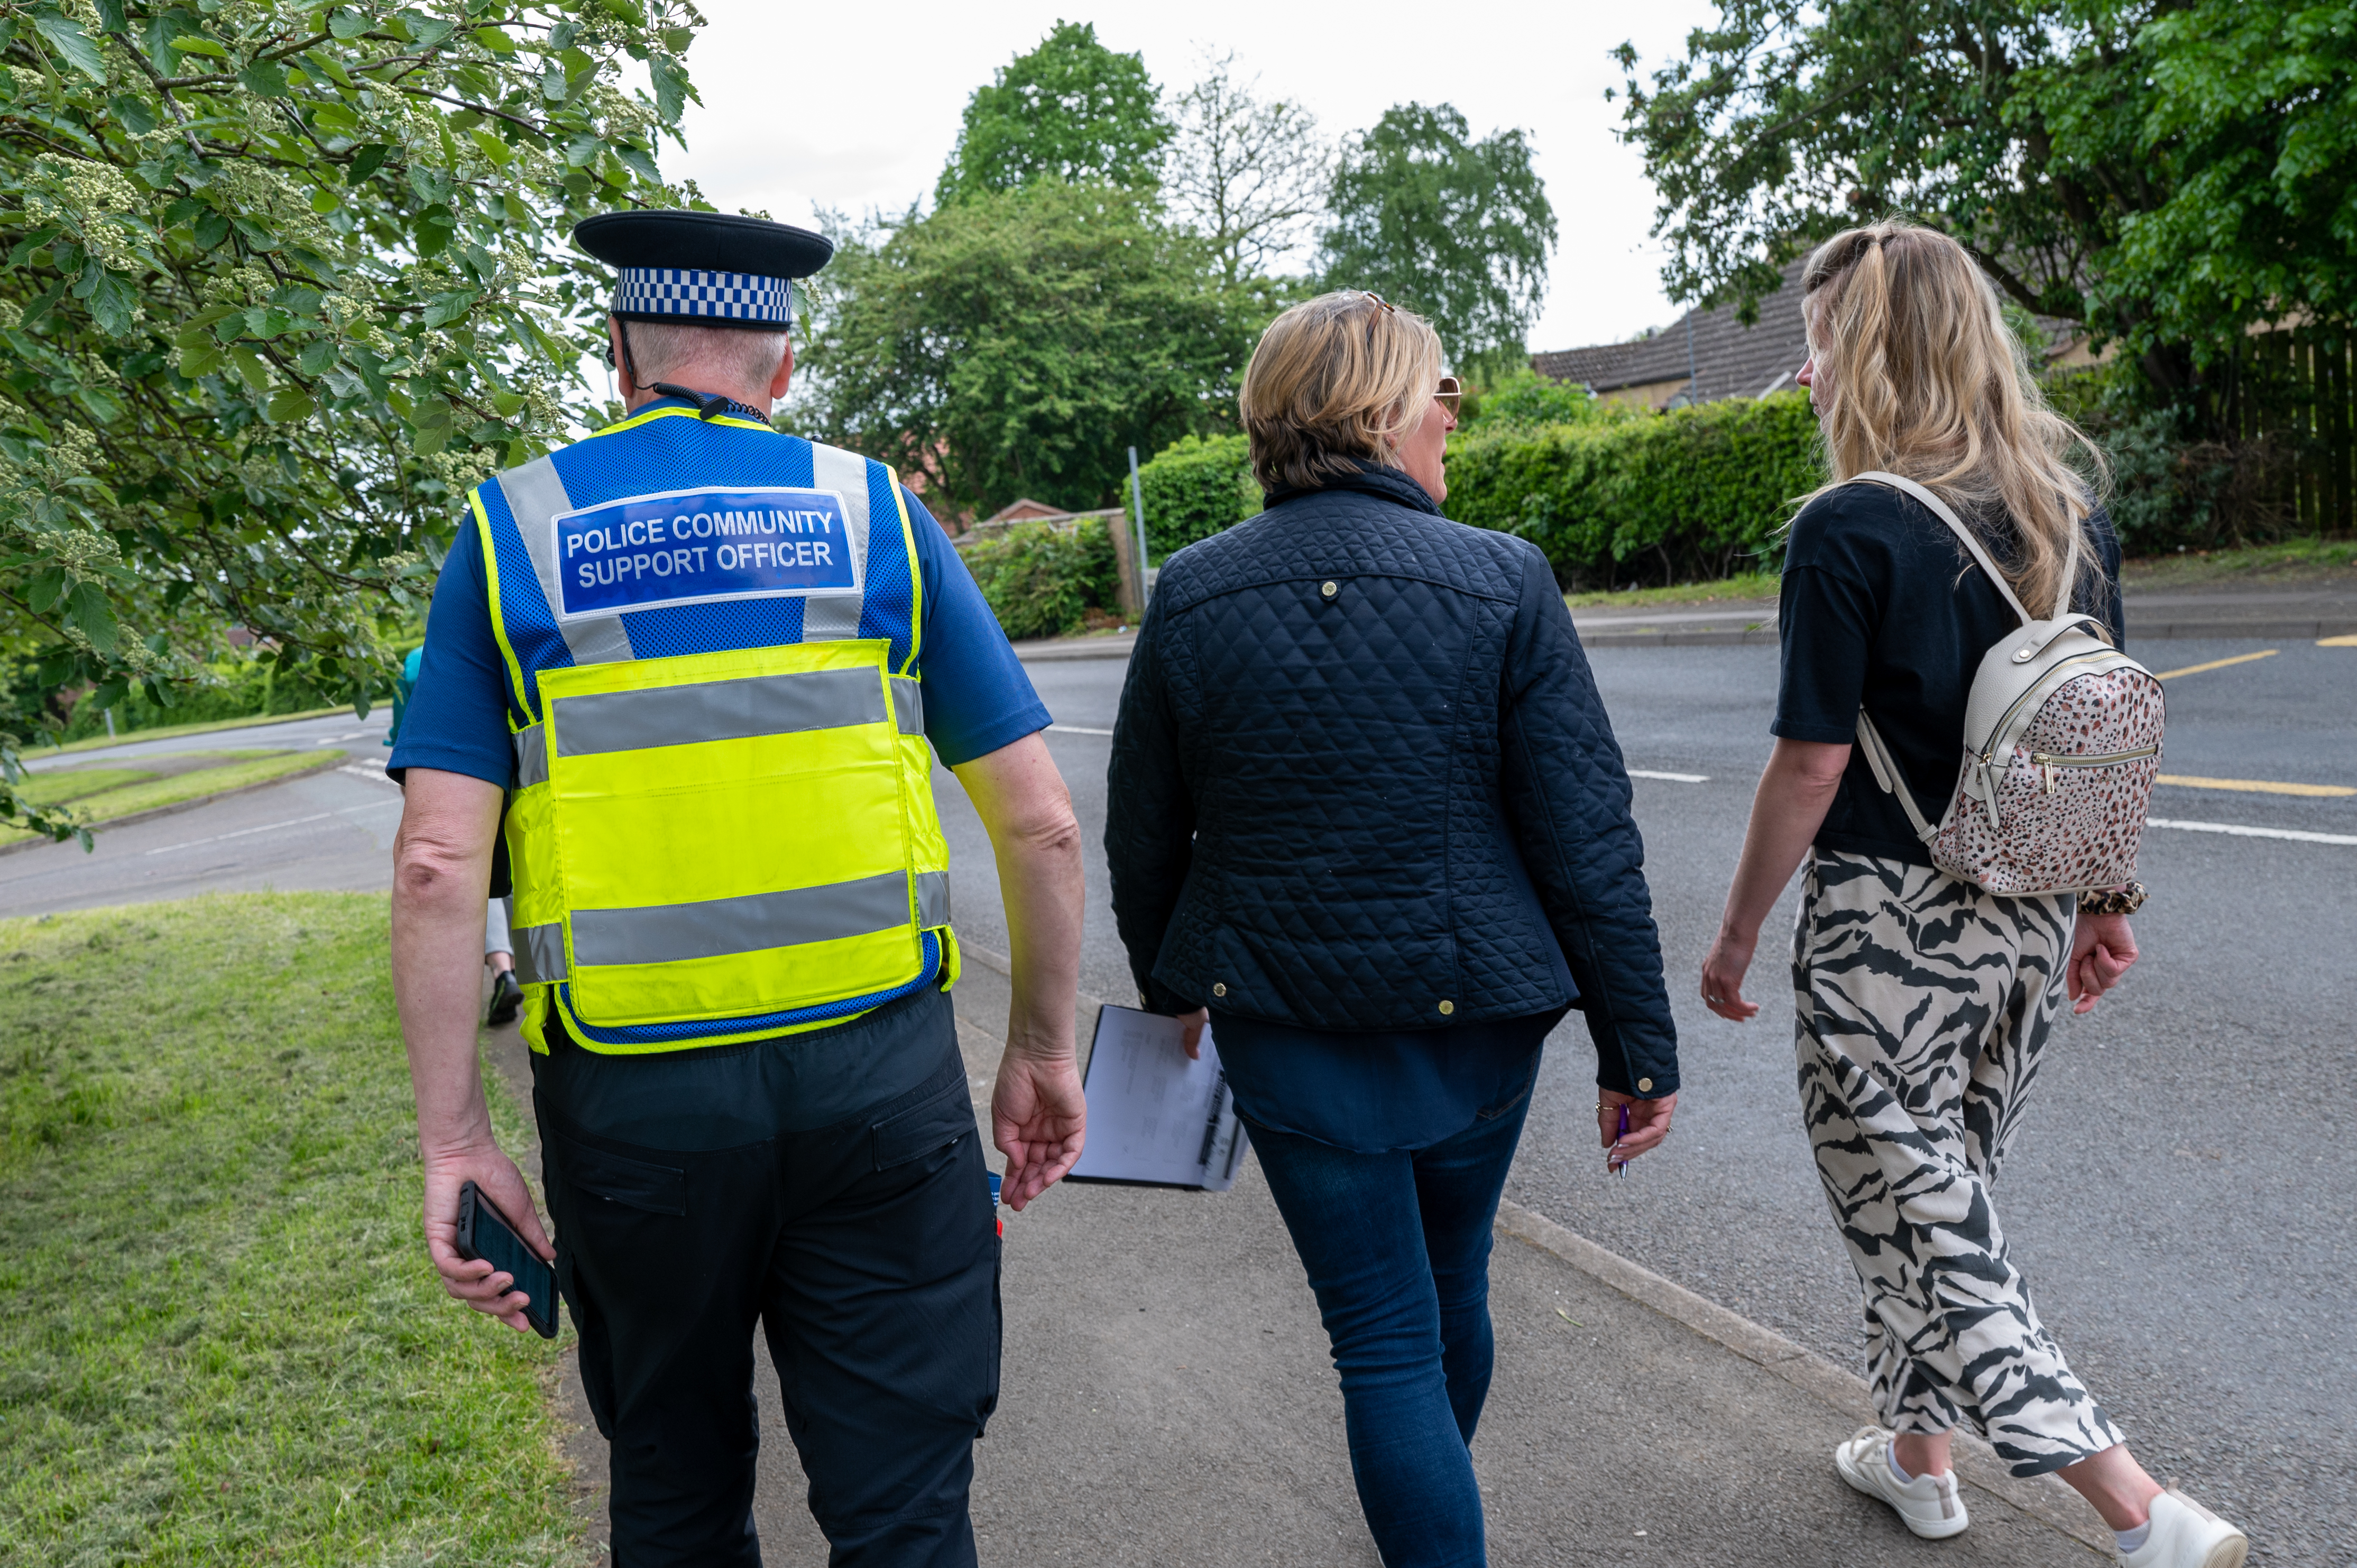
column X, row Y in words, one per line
column 2187, row 1535
column 1928, row 1504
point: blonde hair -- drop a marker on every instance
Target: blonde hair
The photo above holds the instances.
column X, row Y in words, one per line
column 1335, row 382
column 1918, row 375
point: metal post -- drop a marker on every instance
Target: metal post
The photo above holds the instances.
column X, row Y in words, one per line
column 1691, row 376
column 110, row 724
column 1137, row 509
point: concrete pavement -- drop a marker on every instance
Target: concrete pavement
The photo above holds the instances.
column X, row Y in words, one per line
column 1167, row 1400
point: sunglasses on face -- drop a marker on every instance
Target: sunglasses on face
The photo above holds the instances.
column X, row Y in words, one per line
column 1450, row 394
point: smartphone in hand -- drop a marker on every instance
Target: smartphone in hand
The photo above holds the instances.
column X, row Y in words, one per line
column 484, row 1233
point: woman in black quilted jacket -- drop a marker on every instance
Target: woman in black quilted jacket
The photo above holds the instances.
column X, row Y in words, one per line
column 1366, row 809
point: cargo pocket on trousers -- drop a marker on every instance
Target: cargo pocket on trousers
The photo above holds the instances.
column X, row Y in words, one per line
column 923, row 1128
column 597, row 1177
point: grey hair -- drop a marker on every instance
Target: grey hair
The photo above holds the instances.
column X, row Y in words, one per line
column 662, row 350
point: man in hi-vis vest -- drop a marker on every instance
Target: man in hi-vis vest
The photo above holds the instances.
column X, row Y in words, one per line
column 690, row 676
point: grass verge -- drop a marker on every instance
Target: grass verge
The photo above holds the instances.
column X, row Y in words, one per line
column 219, row 1339
column 2293, row 560
column 1748, row 586
column 35, row 750
column 146, row 792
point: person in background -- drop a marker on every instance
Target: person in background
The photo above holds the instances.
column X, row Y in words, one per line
column 1924, row 1003
column 1365, row 805
column 499, row 957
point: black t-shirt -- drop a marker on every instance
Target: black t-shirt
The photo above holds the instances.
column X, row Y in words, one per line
column 1880, row 604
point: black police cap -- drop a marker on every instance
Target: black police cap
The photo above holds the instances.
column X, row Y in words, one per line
column 712, row 268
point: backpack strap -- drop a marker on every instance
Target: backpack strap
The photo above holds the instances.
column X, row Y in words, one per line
column 1972, row 542
column 1877, row 752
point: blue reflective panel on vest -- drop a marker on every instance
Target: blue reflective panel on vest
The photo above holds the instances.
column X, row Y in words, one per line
column 700, row 547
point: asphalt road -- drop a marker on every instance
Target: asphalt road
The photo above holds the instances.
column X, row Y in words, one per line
column 2180, row 1198
column 329, row 830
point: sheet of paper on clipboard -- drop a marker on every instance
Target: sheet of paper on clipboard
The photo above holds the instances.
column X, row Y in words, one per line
column 1154, row 1116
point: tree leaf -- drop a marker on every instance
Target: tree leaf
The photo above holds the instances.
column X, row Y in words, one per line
column 250, row 368
column 200, row 354
column 444, row 308
column 130, row 109
column 114, row 305
column 290, row 402
column 347, row 24
column 86, row 609
column 365, row 162
column 197, row 44
column 110, row 17
column 430, row 426
column 65, row 35
column 669, row 85
column 265, row 79
column 47, row 587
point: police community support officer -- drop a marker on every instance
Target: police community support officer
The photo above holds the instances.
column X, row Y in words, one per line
column 700, row 663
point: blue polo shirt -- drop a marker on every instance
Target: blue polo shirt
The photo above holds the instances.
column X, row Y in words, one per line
column 977, row 697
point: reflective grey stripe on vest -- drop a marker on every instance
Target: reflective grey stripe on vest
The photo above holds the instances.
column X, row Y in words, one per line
column 539, row 954
column 536, row 495
column 531, row 755
column 908, row 705
column 932, row 899
column 714, row 928
column 836, row 620
column 715, row 710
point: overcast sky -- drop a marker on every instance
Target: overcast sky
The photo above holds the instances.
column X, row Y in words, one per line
column 854, row 106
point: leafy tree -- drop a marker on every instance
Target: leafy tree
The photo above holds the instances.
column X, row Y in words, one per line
column 280, row 281
column 1016, row 342
column 2253, row 109
column 1248, row 172
column 2165, row 171
column 1071, row 110
column 1456, row 230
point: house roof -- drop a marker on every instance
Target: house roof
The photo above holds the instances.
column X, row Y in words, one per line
column 1728, row 358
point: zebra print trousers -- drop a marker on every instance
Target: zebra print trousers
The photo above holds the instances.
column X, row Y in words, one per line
column 1922, row 1005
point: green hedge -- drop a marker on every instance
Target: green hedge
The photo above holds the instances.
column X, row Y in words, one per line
column 1194, row 488
column 245, row 687
column 1694, row 493
column 1042, row 578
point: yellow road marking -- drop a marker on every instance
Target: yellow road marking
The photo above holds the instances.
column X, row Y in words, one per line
column 2349, row 642
column 2253, row 786
column 2216, row 664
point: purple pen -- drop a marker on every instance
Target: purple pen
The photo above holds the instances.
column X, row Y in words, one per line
column 1619, row 1167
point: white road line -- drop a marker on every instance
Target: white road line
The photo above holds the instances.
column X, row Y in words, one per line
column 363, row 771
column 1077, row 729
column 271, row 827
column 2240, row 832
column 1673, row 777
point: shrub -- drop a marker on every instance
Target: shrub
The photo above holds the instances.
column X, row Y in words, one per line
column 2170, row 491
column 1696, row 492
column 1196, row 486
column 242, row 686
column 1041, row 579
column 1528, row 400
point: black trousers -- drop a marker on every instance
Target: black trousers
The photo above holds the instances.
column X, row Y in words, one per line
column 829, row 1186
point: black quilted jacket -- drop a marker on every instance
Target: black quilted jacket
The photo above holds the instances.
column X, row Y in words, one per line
column 1362, row 781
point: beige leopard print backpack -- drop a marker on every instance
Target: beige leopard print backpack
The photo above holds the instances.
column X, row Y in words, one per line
column 2061, row 744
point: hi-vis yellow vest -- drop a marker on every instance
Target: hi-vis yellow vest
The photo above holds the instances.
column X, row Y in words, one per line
column 722, row 827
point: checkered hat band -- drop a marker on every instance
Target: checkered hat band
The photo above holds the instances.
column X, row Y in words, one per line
column 684, row 292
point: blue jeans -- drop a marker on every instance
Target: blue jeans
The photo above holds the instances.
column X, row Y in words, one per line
column 1397, row 1250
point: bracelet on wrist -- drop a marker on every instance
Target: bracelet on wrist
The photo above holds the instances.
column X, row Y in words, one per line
column 2125, row 899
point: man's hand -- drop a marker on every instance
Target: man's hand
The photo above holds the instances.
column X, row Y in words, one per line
column 2101, row 949
column 487, row 1290
column 1038, row 1118
column 1649, row 1123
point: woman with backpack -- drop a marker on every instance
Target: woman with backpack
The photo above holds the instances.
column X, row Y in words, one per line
column 1923, row 998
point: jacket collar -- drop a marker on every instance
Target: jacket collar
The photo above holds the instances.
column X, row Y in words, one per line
column 1373, row 479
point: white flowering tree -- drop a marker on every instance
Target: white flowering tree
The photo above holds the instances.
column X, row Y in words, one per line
column 278, row 283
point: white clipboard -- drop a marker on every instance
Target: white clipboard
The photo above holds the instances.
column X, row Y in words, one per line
column 1155, row 1117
